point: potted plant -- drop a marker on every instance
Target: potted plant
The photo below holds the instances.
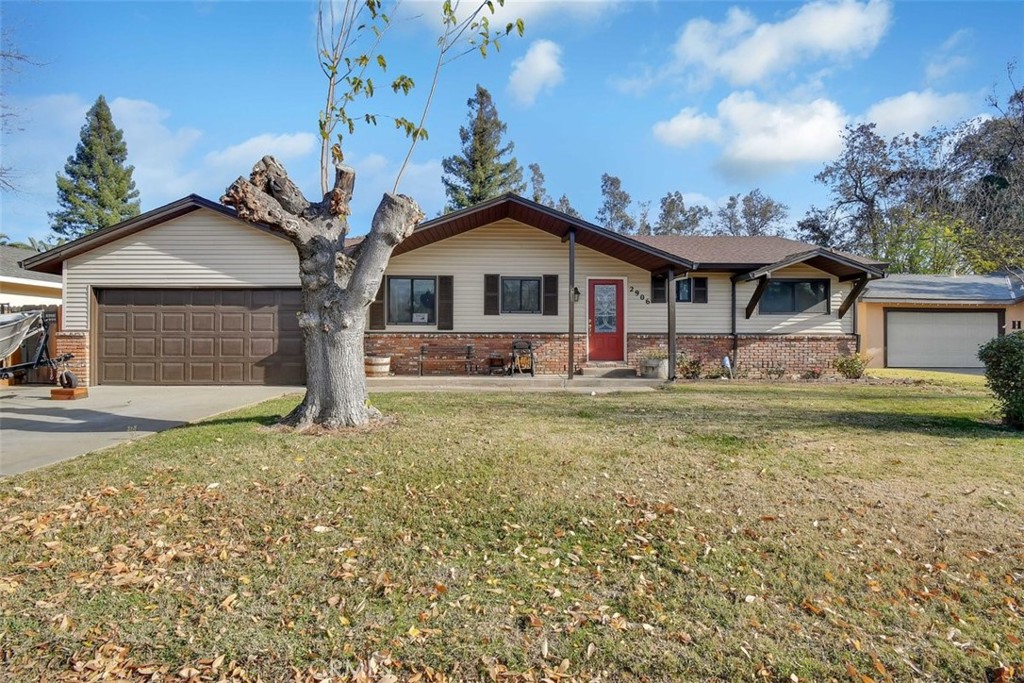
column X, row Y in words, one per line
column 654, row 365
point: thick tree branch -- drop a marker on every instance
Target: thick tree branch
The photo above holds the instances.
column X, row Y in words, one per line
column 270, row 176
column 394, row 220
column 337, row 200
column 256, row 206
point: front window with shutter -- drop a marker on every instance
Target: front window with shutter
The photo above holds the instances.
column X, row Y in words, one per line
column 520, row 295
column 412, row 300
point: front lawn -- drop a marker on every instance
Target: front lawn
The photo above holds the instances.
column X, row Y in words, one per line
column 714, row 531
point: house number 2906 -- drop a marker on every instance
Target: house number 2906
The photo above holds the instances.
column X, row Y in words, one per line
column 640, row 295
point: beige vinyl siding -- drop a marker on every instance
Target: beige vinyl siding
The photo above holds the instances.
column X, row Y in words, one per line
column 800, row 323
column 712, row 317
column 510, row 248
column 199, row 249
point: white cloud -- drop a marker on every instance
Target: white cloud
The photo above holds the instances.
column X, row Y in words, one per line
column 768, row 136
column 744, row 52
column 156, row 151
column 761, row 137
column 687, row 127
column 284, row 147
column 539, row 69
column 916, row 112
column 950, row 56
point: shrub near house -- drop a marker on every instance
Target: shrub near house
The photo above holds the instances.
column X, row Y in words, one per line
column 1004, row 372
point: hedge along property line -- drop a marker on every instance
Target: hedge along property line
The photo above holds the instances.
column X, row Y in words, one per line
column 758, row 356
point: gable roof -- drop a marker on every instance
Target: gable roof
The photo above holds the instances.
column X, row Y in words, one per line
column 549, row 220
column 51, row 261
column 1003, row 288
column 10, row 258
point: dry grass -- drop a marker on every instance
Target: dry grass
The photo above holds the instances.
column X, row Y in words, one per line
column 711, row 532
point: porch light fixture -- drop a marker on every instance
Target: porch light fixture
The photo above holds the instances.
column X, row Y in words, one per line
column 575, row 294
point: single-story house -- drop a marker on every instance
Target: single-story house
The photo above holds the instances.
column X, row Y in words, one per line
column 21, row 287
column 189, row 293
column 938, row 321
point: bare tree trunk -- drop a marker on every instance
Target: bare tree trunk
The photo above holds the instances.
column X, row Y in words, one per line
column 337, row 287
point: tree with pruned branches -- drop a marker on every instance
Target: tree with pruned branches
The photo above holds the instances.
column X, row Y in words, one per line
column 338, row 285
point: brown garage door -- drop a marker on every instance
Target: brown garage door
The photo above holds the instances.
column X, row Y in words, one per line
column 199, row 336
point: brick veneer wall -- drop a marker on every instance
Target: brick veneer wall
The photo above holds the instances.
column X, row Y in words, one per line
column 78, row 344
column 551, row 351
column 758, row 353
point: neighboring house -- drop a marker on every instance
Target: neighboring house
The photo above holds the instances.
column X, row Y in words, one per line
column 20, row 287
column 189, row 293
column 938, row 321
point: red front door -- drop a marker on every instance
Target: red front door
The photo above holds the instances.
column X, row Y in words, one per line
column 607, row 324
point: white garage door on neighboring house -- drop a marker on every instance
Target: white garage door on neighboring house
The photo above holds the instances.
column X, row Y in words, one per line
column 937, row 339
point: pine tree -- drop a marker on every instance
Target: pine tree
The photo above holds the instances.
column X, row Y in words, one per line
column 96, row 190
column 479, row 173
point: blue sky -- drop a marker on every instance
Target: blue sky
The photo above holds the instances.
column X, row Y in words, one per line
column 708, row 98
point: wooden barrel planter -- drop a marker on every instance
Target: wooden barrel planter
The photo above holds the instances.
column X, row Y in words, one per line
column 377, row 366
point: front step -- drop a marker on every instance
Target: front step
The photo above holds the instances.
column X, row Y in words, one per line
column 610, row 369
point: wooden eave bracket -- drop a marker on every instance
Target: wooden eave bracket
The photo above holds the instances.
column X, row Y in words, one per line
column 851, row 298
column 762, row 284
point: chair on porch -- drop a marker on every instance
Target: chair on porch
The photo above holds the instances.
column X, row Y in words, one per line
column 523, row 360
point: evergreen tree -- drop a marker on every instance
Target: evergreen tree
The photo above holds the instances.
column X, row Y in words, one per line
column 97, row 189
column 480, row 172
column 614, row 212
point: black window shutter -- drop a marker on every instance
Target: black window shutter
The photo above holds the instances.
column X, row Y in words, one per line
column 445, row 302
column 700, row 290
column 377, row 309
column 491, row 298
column 659, row 289
column 550, row 295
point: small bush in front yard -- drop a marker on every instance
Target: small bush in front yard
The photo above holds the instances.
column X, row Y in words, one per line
column 689, row 367
column 851, row 367
column 1004, row 372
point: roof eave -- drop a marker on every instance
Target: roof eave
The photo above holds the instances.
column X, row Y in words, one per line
column 570, row 222
column 51, row 261
column 872, row 272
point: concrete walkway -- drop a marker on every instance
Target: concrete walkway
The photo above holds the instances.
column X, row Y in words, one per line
column 36, row 431
column 516, row 383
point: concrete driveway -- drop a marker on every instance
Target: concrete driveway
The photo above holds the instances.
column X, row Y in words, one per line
column 36, row 431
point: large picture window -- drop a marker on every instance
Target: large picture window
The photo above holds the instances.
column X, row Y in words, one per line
column 796, row 296
column 520, row 295
column 411, row 301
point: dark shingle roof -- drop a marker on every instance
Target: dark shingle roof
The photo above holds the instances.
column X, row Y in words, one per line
column 9, row 258
column 999, row 288
column 734, row 251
